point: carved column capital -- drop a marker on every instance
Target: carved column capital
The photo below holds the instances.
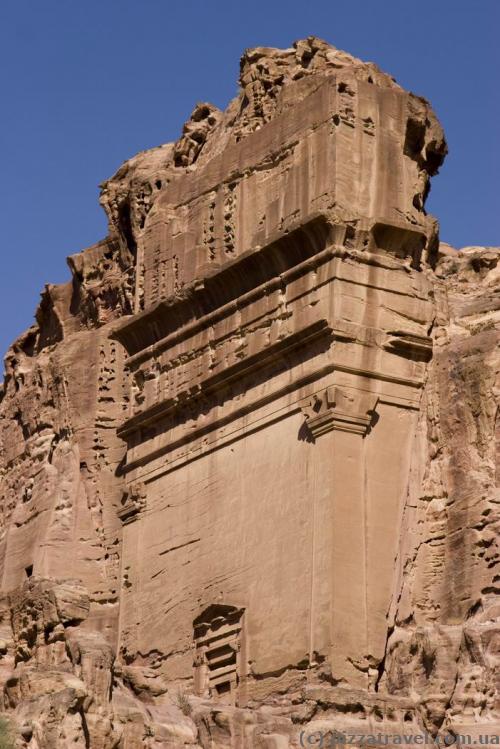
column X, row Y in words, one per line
column 335, row 408
column 132, row 503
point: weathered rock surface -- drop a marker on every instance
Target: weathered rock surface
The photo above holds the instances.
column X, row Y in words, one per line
column 249, row 454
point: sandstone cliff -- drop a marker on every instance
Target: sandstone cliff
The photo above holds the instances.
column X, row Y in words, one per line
column 249, row 454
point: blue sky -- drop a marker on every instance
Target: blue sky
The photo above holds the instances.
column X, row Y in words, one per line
column 85, row 85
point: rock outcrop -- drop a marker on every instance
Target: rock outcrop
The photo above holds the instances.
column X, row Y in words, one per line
column 249, row 454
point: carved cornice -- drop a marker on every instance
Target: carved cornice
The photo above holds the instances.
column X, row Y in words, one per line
column 209, row 385
column 257, row 272
column 411, row 346
column 229, row 286
column 336, row 408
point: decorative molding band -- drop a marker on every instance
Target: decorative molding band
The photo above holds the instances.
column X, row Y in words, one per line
column 335, row 408
column 191, row 329
column 213, row 383
column 222, row 422
column 250, row 426
column 259, row 402
column 372, row 374
column 228, row 287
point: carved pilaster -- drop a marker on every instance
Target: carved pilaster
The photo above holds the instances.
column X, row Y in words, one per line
column 334, row 408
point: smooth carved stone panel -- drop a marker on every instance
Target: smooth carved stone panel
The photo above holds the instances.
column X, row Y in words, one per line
column 324, row 567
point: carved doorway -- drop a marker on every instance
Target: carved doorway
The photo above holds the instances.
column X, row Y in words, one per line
column 219, row 663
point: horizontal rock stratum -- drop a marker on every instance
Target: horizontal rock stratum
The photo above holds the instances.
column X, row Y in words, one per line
column 248, row 455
